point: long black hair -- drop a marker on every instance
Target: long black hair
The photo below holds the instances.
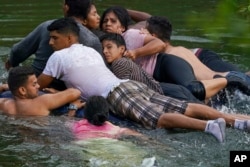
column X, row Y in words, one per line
column 96, row 110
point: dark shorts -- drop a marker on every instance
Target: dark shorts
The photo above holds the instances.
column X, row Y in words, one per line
column 172, row 69
column 179, row 92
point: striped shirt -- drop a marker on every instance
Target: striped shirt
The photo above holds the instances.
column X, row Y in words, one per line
column 125, row 68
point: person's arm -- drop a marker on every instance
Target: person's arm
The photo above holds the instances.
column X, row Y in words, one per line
column 44, row 80
column 138, row 16
column 52, row 101
column 25, row 48
column 152, row 45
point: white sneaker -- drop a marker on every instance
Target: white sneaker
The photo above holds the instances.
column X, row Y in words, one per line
column 217, row 128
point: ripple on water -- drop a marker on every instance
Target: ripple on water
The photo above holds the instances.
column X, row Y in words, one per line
column 4, row 51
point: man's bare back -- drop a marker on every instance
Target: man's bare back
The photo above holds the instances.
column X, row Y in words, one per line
column 201, row 71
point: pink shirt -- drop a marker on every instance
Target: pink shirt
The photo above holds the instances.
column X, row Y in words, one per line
column 134, row 39
column 85, row 130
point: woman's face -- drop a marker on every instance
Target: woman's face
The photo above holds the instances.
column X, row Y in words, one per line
column 112, row 24
column 93, row 19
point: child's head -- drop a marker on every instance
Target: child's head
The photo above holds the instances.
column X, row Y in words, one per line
column 160, row 27
column 113, row 46
column 96, row 110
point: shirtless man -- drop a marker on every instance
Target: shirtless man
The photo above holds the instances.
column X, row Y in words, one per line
column 161, row 28
column 26, row 101
column 207, row 57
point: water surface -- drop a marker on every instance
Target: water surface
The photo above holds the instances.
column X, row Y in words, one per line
column 49, row 141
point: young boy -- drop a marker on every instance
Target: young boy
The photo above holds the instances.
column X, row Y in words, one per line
column 124, row 68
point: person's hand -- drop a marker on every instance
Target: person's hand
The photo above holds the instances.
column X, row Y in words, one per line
column 50, row 90
column 7, row 64
column 130, row 54
column 79, row 103
column 4, row 87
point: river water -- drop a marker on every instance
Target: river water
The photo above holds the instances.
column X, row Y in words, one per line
column 48, row 141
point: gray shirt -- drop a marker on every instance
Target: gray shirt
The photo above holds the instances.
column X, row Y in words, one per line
column 37, row 43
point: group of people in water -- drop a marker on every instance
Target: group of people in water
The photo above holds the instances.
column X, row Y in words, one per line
column 141, row 76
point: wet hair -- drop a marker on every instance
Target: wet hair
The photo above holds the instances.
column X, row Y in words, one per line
column 78, row 8
column 160, row 26
column 18, row 76
column 116, row 38
column 121, row 13
column 64, row 26
column 96, row 110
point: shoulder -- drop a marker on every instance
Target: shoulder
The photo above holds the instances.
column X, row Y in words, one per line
column 122, row 62
column 132, row 32
column 7, row 106
column 90, row 51
column 45, row 24
column 133, row 38
column 86, row 34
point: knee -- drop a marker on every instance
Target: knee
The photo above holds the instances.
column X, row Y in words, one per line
column 197, row 89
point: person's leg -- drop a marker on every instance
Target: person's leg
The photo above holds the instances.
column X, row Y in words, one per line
column 214, row 62
column 135, row 101
column 236, row 78
column 178, row 92
column 174, row 117
column 174, row 120
column 212, row 87
column 172, row 69
column 205, row 112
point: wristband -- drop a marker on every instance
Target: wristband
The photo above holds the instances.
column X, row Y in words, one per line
column 72, row 107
